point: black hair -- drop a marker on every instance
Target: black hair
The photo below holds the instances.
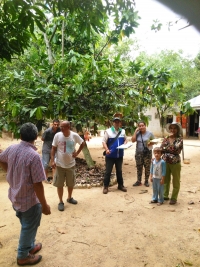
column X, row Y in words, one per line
column 158, row 149
column 28, row 132
column 56, row 120
column 141, row 122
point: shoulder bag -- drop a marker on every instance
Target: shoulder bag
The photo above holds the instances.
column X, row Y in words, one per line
column 104, row 153
column 146, row 151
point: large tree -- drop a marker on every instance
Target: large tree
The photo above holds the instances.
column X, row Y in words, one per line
column 65, row 73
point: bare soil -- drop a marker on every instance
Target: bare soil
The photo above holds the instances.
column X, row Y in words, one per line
column 114, row 230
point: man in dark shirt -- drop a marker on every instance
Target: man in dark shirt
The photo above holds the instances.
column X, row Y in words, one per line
column 47, row 139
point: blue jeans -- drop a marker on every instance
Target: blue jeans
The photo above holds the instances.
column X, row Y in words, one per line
column 30, row 221
column 158, row 190
column 45, row 159
column 109, row 166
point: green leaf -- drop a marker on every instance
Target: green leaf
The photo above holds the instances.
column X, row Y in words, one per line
column 39, row 115
column 32, row 112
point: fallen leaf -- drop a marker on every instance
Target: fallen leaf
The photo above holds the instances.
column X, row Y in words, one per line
column 149, row 207
column 61, row 231
column 171, row 210
column 188, row 263
column 196, row 230
column 143, row 191
column 191, row 202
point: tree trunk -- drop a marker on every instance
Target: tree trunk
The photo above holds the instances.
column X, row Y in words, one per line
column 161, row 120
column 88, row 157
column 162, row 130
column 85, row 149
column 49, row 51
column 63, row 35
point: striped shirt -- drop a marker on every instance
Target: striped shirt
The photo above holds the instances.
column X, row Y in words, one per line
column 24, row 169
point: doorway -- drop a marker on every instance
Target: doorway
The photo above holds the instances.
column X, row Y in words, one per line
column 194, row 124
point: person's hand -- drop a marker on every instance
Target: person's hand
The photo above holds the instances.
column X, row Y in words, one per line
column 162, row 181
column 151, row 179
column 46, row 209
column 53, row 164
column 108, row 151
column 152, row 159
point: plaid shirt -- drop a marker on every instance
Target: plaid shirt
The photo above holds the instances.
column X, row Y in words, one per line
column 24, row 169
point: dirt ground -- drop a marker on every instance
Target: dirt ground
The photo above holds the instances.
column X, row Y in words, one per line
column 114, row 230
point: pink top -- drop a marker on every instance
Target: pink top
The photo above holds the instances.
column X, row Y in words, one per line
column 24, row 169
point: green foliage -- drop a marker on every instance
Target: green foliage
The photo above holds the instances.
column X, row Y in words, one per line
column 157, row 88
column 183, row 69
column 17, row 20
column 89, row 78
column 80, row 84
column 156, row 26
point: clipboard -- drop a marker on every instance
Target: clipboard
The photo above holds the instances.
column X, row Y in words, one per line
column 124, row 146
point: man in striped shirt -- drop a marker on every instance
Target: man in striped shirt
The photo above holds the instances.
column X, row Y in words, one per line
column 25, row 174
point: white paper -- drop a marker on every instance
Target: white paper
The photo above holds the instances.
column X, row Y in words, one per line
column 124, row 146
column 156, row 140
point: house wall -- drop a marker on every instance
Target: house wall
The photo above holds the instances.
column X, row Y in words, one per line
column 154, row 124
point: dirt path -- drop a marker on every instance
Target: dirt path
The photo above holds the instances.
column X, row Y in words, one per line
column 114, row 230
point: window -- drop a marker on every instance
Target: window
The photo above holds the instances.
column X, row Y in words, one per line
column 169, row 119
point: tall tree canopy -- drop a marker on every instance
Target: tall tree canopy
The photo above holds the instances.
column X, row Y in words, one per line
column 17, row 23
column 65, row 72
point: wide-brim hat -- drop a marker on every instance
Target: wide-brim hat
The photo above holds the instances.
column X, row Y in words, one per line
column 116, row 118
column 180, row 130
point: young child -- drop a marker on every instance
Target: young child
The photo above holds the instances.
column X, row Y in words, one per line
column 157, row 176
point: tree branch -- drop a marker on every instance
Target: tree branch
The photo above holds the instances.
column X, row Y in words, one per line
column 53, row 33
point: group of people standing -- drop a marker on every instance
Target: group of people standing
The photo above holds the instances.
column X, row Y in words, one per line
column 165, row 164
column 26, row 171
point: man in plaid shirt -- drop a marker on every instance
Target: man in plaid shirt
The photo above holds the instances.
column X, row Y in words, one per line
column 25, row 174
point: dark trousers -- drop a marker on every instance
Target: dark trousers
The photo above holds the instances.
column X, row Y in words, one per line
column 109, row 166
column 143, row 160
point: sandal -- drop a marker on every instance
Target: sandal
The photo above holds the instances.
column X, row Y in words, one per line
column 153, row 201
column 159, row 203
column 172, row 202
column 72, row 201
